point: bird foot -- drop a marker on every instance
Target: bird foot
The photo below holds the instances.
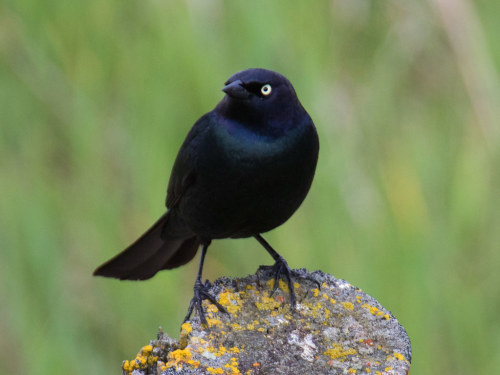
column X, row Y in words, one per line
column 280, row 267
column 201, row 292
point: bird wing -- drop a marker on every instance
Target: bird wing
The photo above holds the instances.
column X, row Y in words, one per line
column 183, row 172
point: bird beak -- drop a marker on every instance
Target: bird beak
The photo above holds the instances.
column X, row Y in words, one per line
column 236, row 90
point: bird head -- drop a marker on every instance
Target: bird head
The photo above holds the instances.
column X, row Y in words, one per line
column 261, row 99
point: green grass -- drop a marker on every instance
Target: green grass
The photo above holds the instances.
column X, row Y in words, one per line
column 96, row 97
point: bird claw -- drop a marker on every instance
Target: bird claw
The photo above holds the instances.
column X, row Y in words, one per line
column 201, row 292
column 280, row 267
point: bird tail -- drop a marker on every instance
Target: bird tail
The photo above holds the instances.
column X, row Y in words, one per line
column 153, row 251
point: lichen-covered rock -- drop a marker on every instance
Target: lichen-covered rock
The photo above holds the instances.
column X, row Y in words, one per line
column 336, row 329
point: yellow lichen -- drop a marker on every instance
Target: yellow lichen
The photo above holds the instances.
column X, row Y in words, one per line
column 337, row 351
column 217, row 370
column 351, row 371
column 233, row 366
column 316, row 292
column 180, row 356
column 387, row 369
column 399, row 356
column 327, row 314
column 375, row 311
column 231, row 301
column 214, row 322
column 283, row 286
column 186, row 328
column 236, row 327
column 348, row 305
column 146, row 350
column 268, row 303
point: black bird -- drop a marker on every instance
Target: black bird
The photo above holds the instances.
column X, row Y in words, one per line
column 243, row 169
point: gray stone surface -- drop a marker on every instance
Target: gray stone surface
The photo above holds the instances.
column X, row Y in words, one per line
column 336, row 329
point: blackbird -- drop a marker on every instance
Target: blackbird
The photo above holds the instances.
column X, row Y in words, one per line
column 243, row 169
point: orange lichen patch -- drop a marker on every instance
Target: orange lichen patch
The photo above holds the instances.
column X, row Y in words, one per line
column 256, row 364
column 338, row 352
column 348, row 305
column 280, row 299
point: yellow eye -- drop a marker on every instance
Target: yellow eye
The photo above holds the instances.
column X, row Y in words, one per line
column 266, row 89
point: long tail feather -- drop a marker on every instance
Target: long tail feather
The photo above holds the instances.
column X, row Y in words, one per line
column 152, row 252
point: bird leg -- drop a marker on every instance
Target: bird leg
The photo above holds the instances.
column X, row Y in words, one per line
column 201, row 292
column 280, row 267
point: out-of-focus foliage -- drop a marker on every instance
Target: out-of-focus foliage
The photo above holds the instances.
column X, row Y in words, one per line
column 97, row 96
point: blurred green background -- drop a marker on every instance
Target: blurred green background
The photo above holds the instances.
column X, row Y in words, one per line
column 97, row 96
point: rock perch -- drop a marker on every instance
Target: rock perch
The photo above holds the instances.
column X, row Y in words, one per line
column 336, row 329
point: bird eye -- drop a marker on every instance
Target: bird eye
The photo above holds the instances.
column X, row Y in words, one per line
column 266, row 89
